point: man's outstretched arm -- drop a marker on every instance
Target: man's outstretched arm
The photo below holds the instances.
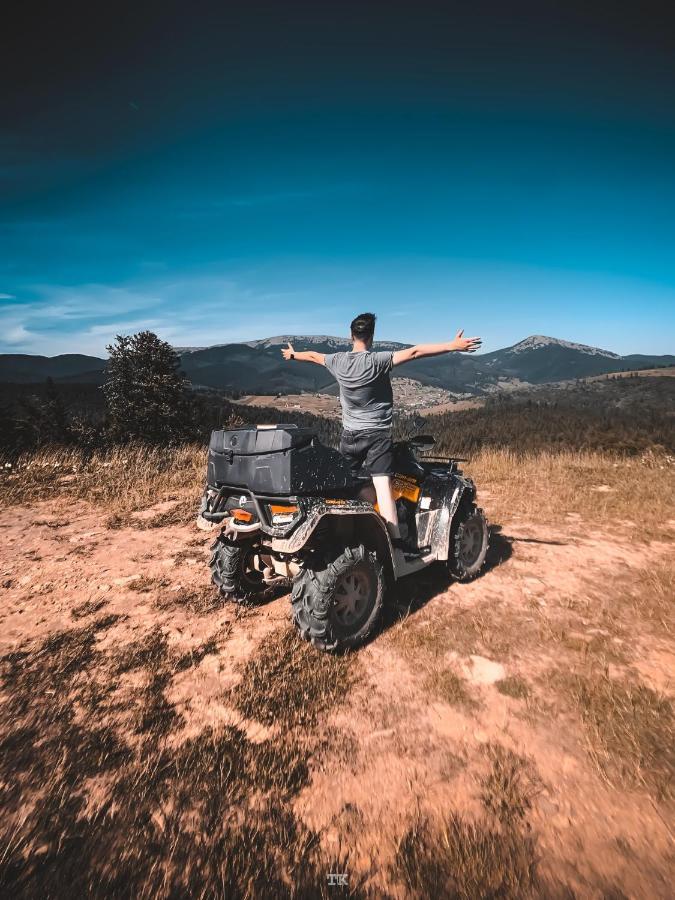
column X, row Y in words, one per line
column 458, row 344
column 303, row 355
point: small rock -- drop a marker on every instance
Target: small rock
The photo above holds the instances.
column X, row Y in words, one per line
column 387, row 732
column 569, row 764
column 482, row 670
column 548, row 807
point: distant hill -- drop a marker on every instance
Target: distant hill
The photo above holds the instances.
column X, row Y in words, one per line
column 535, row 360
column 256, row 367
column 539, row 359
column 22, row 368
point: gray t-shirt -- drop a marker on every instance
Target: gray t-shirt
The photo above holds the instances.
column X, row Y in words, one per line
column 365, row 388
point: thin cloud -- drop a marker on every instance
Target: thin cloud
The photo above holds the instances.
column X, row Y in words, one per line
column 190, row 311
column 17, row 334
column 110, row 331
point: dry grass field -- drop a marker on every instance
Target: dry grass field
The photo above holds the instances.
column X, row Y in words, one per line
column 317, row 404
column 409, row 396
column 665, row 372
column 511, row 737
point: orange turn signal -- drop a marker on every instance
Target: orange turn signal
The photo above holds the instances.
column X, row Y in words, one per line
column 282, row 510
column 242, row 515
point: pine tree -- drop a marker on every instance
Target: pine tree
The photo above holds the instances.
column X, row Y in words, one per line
column 40, row 420
column 54, row 412
column 147, row 397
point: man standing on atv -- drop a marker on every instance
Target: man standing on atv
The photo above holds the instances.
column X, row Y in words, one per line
column 367, row 404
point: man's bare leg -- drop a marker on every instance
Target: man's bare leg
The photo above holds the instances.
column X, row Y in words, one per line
column 386, row 503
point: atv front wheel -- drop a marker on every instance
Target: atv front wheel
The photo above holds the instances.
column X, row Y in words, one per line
column 338, row 607
column 468, row 542
column 233, row 572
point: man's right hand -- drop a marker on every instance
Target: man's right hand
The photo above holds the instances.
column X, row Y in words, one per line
column 287, row 352
column 420, row 351
column 465, row 345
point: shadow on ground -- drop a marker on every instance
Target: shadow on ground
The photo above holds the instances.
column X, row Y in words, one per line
column 412, row 594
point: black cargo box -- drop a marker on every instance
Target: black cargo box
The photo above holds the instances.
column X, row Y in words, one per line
column 284, row 459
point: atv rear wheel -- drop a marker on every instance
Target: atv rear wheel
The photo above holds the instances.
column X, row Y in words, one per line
column 338, row 607
column 233, row 573
column 468, row 542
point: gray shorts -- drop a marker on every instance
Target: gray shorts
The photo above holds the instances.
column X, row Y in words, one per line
column 369, row 452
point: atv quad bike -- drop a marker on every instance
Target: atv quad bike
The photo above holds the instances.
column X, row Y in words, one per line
column 290, row 511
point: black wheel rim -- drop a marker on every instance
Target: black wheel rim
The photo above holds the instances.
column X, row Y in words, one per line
column 251, row 576
column 352, row 598
column 471, row 541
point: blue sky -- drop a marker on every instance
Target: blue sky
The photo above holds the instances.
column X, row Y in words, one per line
column 441, row 173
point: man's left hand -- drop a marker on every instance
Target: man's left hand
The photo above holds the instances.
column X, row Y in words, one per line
column 465, row 345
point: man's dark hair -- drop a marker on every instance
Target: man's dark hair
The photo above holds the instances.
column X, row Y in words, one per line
column 363, row 326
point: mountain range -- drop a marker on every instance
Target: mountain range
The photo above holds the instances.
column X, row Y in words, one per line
column 256, row 367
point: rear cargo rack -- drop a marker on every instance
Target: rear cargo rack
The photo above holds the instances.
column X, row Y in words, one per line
column 275, row 462
column 228, row 489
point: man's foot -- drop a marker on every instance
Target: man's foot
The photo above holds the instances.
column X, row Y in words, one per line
column 407, row 548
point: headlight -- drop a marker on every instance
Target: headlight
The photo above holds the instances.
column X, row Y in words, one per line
column 282, row 514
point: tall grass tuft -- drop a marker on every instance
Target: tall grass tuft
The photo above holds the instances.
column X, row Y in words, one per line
column 593, row 485
column 120, row 480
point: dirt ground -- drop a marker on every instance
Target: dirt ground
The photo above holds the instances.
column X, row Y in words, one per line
column 522, row 720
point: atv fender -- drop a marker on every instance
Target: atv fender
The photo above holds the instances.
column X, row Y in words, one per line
column 321, row 509
column 434, row 526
